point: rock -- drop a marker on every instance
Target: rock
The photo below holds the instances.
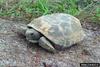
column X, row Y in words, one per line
column 14, row 51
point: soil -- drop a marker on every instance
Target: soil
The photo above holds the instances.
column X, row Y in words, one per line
column 16, row 51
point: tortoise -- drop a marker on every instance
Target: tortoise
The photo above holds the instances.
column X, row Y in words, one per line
column 55, row 31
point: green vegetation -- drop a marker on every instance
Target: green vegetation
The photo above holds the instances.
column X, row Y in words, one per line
column 33, row 8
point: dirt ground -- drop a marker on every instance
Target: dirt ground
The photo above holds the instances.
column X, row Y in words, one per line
column 16, row 51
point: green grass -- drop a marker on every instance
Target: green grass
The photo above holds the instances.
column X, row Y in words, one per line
column 91, row 12
column 29, row 9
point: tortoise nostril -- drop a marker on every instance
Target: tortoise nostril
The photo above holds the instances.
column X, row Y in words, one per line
column 31, row 34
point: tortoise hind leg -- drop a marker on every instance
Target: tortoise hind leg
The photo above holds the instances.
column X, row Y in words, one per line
column 44, row 43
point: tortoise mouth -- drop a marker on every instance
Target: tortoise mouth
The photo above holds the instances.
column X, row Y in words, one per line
column 31, row 40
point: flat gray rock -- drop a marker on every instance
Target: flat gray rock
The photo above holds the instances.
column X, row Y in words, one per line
column 15, row 50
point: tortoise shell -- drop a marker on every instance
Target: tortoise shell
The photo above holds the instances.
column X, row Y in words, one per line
column 61, row 29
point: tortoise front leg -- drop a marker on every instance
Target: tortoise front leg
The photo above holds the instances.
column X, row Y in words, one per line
column 43, row 42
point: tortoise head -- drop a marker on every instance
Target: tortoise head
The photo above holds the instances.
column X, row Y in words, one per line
column 32, row 35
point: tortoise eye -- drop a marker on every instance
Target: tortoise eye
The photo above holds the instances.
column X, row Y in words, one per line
column 29, row 27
